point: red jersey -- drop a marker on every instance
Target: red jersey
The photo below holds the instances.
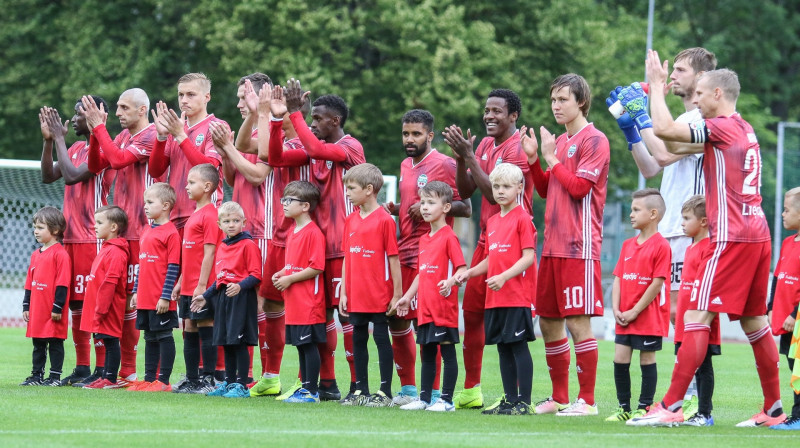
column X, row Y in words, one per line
column 201, row 229
column 574, row 227
column 732, row 170
column 237, row 258
column 252, row 198
column 638, row 266
column 159, row 247
column 305, row 301
column 490, row 155
column 103, row 313
column 435, row 166
column 369, row 243
column 690, row 285
column 133, row 179
column 281, row 176
column 506, row 237
column 787, row 288
column 83, row 198
column 48, row 269
column 439, row 257
column 179, row 166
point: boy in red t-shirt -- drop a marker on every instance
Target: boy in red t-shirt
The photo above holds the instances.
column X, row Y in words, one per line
column 371, row 281
column 640, row 302
column 201, row 237
column 232, row 300
column 695, row 225
column 46, row 296
column 159, row 264
column 786, row 293
column 106, row 291
column 437, row 299
column 510, row 270
column 300, row 283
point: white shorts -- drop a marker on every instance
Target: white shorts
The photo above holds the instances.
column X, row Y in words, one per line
column 678, row 244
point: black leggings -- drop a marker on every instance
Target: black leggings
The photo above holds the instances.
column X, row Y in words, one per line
column 428, row 373
column 516, row 371
column 237, row 363
column 380, row 332
column 41, row 346
column 309, row 366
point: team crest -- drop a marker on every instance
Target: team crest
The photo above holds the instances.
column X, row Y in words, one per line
column 571, row 150
column 199, row 140
column 329, row 164
column 422, row 180
column 499, row 161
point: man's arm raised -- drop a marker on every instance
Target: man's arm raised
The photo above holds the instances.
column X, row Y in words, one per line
column 244, row 140
column 664, row 126
column 72, row 174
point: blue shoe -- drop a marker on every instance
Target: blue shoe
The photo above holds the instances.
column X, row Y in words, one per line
column 237, row 390
column 699, row 419
column 220, row 390
column 303, row 396
column 791, row 424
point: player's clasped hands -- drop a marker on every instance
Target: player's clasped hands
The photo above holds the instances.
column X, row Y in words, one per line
column 529, row 144
column 94, row 116
column 460, row 145
column 280, row 281
column 198, row 303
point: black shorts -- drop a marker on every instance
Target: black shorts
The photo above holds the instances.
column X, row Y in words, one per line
column 639, row 342
column 306, row 334
column 235, row 318
column 785, row 343
column 433, row 334
column 184, row 311
column 148, row 320
column 715, row 349
column 508, row 325
column 359, row 319
column 103, row 336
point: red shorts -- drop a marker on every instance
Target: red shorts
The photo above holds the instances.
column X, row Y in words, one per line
column 734, row 278
column 82, row 255
column 276, row 260
column 569, row 287
column 683, row 305
column 475, row 291
column 333, row 281
column 408, row 274
column 133, row 264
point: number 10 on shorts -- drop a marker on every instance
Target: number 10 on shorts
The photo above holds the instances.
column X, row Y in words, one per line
column 573, row 297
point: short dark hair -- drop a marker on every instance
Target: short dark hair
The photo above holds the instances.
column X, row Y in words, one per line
column 53, row 219
column 513, row 103
column 439, row 190
column 652, row 199
column 336, row 105
column 578, row 87
column 419, row 116
column 257, row 79
column 303, row 190
column 699, row 58
column 115, row 215
column 208, row 173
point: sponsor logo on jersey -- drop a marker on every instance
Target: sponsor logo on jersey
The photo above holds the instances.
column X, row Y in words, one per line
column 355, row 249
column 329, row 164
column 499, row 161
column 483, row 157
column 422, row 180
column 631, row 276
column 422, row 267
column 493, row 246
column 716, row 301
column 199, row 139
column 571, row 151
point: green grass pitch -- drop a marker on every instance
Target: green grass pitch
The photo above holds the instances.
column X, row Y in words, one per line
column 71, row 417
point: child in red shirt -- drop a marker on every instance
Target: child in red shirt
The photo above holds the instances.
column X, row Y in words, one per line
column 640, row 302
column 46, row 297
column 106, row 291
column 232, row 300
column 300, row 281
column 371, row 281
column 437, row 300
column 510, row 270
column 159, row 264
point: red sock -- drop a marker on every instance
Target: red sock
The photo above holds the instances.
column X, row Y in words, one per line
column 405, row 355
column 262, row 340
column 767, row 359
column 327, row 352
column 220, row 359
column 438, row 377
column 81, row 340
column 690, row 356
column 128, row 343
column 99, row 353
column 347, row 333
column 250, row 353
column 586, row 365
column 276, row 340
column 474, row 341
column 557, row 356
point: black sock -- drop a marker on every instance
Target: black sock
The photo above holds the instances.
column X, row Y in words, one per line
column 113, row 356
column 508, row 371
column 301, row 359
column 191, row 355
column 167, row 347
column 380, row 332
column 649, row 383
column 55, row 348
column 208, row 349
column 230, row 363
column 428, row 371
column 705, row 386
column 361, row 357
column 39, row 356
column 312, row 362
column 152, row 354
column 450, row 371
column 242, row 364
column 622, row 380
column 522, row 358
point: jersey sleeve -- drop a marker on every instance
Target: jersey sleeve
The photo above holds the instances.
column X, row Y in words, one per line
column 662, row 262
column 253, row 258
column 31, row 267
column 354, row 153
column 527, row 233
column 594, row 155
column 63, row 269
column 173, row 248
column 389, row 236
column 454, row 251
column 211, row 231
column 449, row 176
column 316, row 250
column 117, row 266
